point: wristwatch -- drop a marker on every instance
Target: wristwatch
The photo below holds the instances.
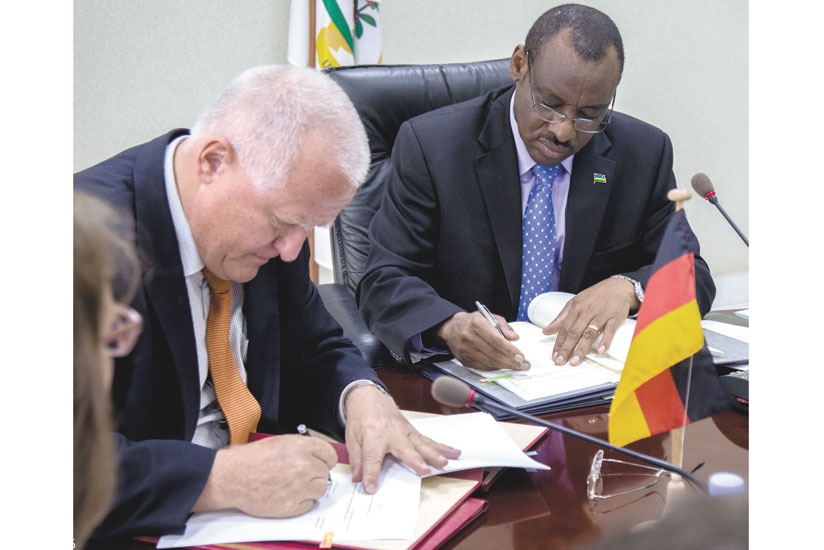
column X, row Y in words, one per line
column 639, row 290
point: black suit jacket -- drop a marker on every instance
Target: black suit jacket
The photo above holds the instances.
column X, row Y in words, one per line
column 448, row 231
column 297, row 362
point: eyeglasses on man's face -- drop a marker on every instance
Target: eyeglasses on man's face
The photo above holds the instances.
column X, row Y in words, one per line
column 548, row 114
column 122, row 335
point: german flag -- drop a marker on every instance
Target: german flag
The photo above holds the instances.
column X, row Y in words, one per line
column 657, row 392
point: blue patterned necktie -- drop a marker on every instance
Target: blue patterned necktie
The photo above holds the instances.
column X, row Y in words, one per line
column 539, row 238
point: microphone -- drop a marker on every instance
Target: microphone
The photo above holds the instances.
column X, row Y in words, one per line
column 455, row 393
column 703, row 186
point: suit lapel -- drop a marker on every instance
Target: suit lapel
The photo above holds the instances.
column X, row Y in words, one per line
column 497, row 171
column 166, row 285
column 589, row 191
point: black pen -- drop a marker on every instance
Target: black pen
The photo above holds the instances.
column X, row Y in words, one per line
column 486, row 313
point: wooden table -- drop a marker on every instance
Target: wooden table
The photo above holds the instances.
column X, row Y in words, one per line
column 550, row 509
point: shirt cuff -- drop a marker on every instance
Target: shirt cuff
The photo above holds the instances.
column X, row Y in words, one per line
column 419, row 352
column 351, row 386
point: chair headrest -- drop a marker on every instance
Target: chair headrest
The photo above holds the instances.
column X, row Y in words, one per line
column 385, row 97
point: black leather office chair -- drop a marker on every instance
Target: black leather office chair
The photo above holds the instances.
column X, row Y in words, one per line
column 385, row 97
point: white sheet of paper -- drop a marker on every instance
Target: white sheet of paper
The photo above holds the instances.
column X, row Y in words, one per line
column 545, row 307
column 481, row 440
column 345, row 510
column 546, row 379
column 560, row 380
column 727, row 329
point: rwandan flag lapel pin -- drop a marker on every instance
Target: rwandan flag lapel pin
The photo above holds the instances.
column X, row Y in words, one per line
column 599, row 178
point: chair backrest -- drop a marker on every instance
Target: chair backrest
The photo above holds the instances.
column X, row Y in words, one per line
column 386, row 96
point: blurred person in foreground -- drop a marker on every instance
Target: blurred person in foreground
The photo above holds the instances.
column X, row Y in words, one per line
column 105, row 277
column 697, row 522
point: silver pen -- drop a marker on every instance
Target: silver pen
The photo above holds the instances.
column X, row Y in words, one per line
column 303, row 430
column 488, row 314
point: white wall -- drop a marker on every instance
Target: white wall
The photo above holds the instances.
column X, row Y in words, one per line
column 144, row 67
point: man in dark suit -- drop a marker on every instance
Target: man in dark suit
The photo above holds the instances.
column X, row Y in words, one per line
column 281, row 151
column 449, row 229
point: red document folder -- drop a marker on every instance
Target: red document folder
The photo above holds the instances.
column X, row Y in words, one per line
column 464, row 514
column 438, row 521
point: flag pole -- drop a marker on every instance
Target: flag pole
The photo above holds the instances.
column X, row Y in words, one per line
column 679, row 196
column 314, row 269
column 311, row 61
column 676, row 488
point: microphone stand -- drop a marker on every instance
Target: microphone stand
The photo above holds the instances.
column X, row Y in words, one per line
column 714, row 200
column 663, row 464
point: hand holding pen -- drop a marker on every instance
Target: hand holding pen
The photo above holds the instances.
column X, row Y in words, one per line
column 488, row 314
column 470, row 341
column 497, row 356
column 303, row 430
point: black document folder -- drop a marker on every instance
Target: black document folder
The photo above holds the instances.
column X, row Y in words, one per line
column 597, row 395
column 732, row 350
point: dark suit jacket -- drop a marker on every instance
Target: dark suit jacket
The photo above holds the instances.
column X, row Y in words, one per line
column 297, row 363
column 448, row 231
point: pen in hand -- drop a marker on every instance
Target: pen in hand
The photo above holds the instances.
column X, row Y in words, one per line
column 486, row 313
column 303, row 430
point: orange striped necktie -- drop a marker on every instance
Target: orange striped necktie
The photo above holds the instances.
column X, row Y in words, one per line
column 240, row 407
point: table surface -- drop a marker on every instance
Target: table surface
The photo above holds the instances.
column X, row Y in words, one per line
column 550, row 509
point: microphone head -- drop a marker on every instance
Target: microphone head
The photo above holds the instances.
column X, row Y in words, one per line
column 451, row 392
column 702, row 185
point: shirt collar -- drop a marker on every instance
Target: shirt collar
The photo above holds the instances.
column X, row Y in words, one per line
column 188, row 251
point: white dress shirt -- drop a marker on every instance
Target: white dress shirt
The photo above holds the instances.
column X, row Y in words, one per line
column 212, row 429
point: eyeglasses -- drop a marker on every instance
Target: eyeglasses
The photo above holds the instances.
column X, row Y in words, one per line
column 547, row 113
column 123, row 333
column 609, row 477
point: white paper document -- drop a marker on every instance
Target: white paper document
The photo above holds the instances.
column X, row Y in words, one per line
column 348, row 512
column 345, row 510
column 552, row 381
column 482, row 441
column 546, row 379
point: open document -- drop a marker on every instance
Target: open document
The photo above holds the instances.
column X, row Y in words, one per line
column 347, row 513
column 547, row 387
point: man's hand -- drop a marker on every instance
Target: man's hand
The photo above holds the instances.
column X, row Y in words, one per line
column 274, row 477
column 375, row 427
column 601, row 308
column 477, row 345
